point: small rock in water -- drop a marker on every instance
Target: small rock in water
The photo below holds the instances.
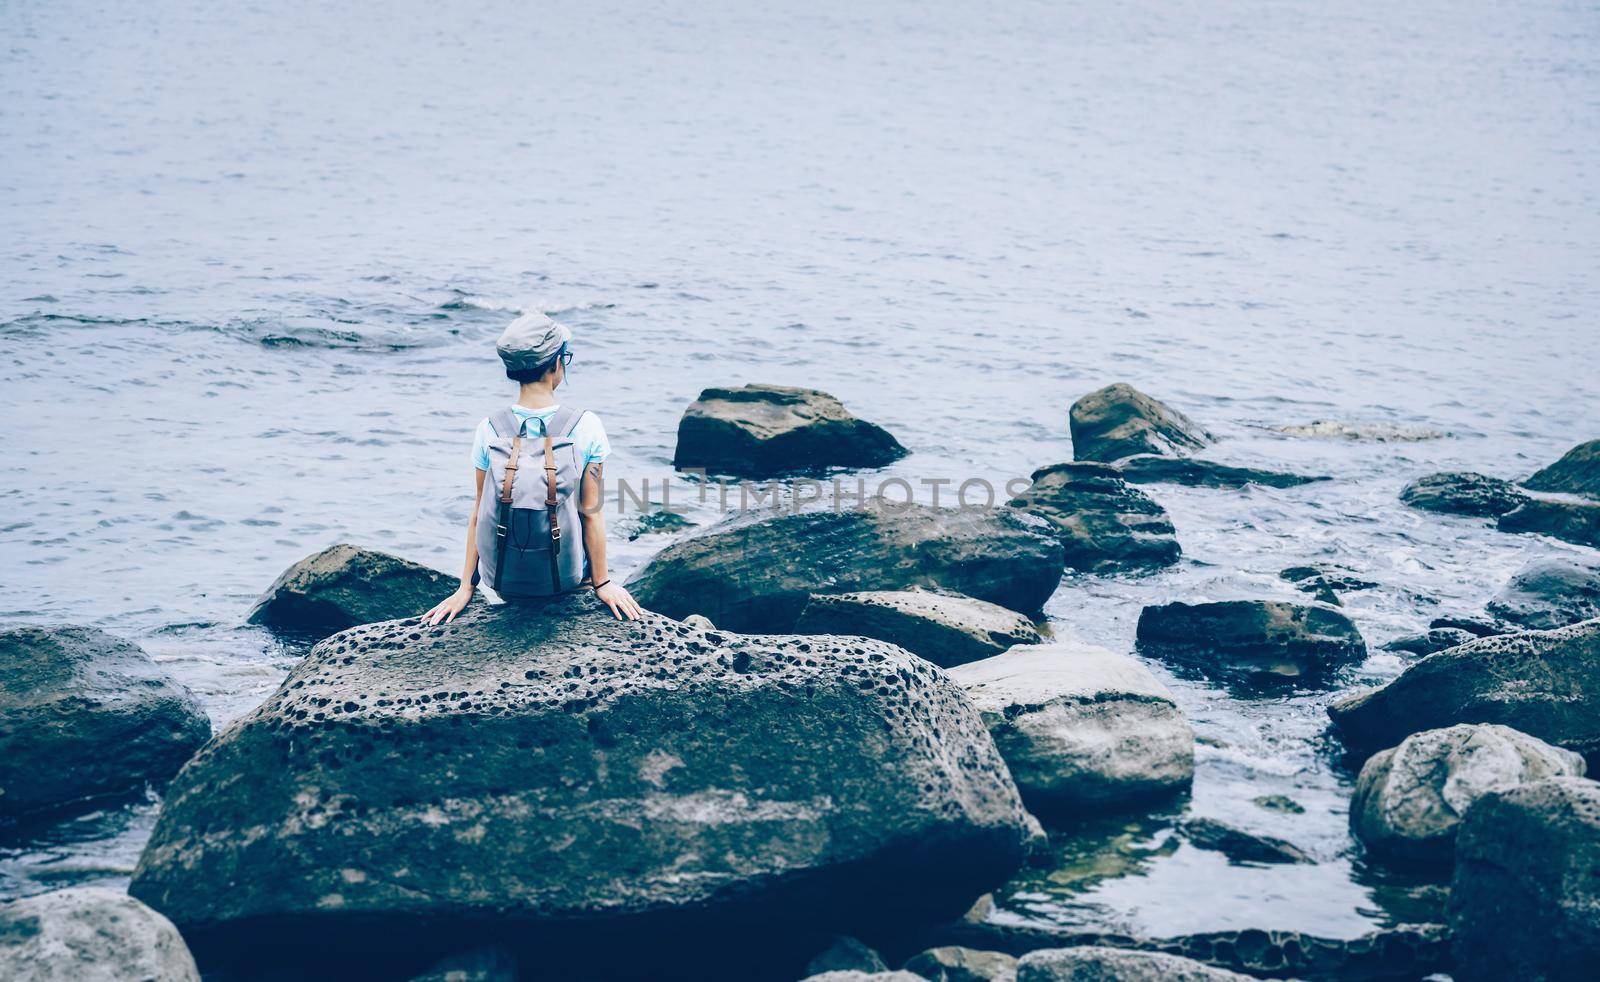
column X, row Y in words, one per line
column 755, row 573
column 90, row 934
column 1279, row 803
column 1577, row 472
column 956, row 964
column 1472, row 625
column 699, row 622
column 657, row 523
column 1325, row 582
column 945, row 628
column 1463, row 493
column 851, row 975
column 84, row 715
column 1549, row 593
column 1259, row 640
column 845, row 954
column 491, row 963
column 1543, row 683
column 1241, row 846
column 1570, row 521
column 1206, row 474
column 1436, row 639
column 1410, row 799
column 770, row 430
column 1526, row 890
column 1120, row 421
column 1374, row 432
column 345, row 585
column 1081, row 728
column 1103, row 523
column 1095, row 964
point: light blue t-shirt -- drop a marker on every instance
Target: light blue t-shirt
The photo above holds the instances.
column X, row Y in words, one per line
column 588, row 435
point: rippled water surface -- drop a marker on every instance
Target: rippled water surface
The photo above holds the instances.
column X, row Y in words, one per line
column 255, row 257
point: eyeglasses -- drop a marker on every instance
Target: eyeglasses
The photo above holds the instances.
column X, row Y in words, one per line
column 565, row 356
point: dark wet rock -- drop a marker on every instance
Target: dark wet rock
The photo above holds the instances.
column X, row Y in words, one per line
column 1120, row 421
column 1206, row 474
column 945, row 628
column 345, row 585
column 85, row 715
column 1577, row 522
column 757, row 574
column 845, row 954
column 1280, row 803
column 1239, row 845
column 1103, row 523
column 1525, row 898
column 1256, row 639
column 1549, row 593
column 1472, row 625
column 490, row 963
column 1325, row 582
column 660, row 522
column 1577, row 472
column 1088, row 963
column 90, row 934
column 1081, row 728
column 1544, row 683
column 1463, row 493
column 769, row 430
column 1410, row 799
column 1437, row 639
column 592, row 788
column 956, row 964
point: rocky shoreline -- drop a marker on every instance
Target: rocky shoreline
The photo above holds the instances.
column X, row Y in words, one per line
column 836, row 732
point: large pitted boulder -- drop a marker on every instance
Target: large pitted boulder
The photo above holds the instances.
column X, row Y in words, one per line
column 1577, row 472
column 1257, row 640
column 1080, row 727
column 1206, row 474
column 1543, row 683
column 1577, row 522
column 345, row 585
column 768, row 430
column 544, row 775
column 1525, row 898
column 945, row 628
column 84, row 714
column 754, row 573
column 1410, row 799
column 1463, row 493
column 1089, row 963
column 1549, row 593
column 1103, row 523
column 90, row 934
column 1120, row 421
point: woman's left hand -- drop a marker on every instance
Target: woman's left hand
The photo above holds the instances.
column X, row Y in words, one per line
column 623, row 606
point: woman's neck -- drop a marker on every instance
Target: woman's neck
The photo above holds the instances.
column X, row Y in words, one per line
column 536, row 395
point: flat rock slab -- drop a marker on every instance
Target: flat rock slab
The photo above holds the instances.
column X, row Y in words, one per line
column 1570, row 521
column 1080, row 727
column 757, row 573
column 90, row 934
column 1463, row 493
column 1577, row 472
column 1525, row 898
column 770, row 430
column 1549, row 593
column 345, row 585
column 1120, row 421
column 1258, row 640
column 1543, row 683
column 946, row 629
column 84, row 714
column 1240, row 845
column 1193, row 473
column 1409, row 799
column 1104, row 524
column 952, row 963
column 1094, row 964
column 544, row 775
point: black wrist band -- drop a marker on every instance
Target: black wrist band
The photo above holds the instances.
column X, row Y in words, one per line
column 597, row 586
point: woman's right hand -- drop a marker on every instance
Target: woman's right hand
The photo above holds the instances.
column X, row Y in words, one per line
column 446, row 610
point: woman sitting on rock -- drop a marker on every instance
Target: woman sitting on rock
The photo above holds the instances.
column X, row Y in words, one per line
column 543, row 462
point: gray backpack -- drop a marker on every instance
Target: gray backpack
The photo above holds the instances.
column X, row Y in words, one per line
column 530, row 542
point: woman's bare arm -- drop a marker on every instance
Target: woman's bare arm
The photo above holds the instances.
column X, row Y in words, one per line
column 591, row 506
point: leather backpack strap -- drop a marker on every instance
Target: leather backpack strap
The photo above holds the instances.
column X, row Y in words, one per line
column 552, row 509
column 503, row 516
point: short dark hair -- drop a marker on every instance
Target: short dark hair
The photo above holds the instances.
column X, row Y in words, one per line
column 523, row 376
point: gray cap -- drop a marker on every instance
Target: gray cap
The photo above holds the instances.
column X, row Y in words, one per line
column 531, row 341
